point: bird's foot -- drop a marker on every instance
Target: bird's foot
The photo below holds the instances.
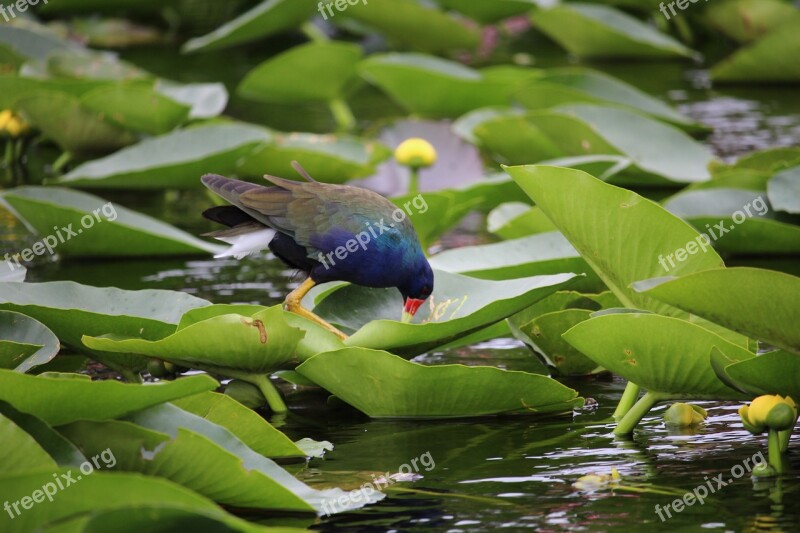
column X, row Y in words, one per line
column 293, row 305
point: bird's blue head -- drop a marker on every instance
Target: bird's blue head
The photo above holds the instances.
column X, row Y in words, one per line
column 417, row 288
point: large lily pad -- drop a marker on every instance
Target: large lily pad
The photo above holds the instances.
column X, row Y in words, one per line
column 459, row 305
column 664, row 355
column 436, row 87
column 175, row 160
column 23, row 453
column 769, row 59
column 50, row 440
column 267, row 18
column 287, row 77
column 376, row 383
column 257, row 344
column 747, row 20
column 488, row 12
column 545, row 253
column 136, row 107
column 101, row 229
column 756, row 302
column 414, row 25
column 783, row 190
column 25, row 342
column 544, row 333
column 722, row 214
column 514, row 220
column 60, row 400
column 770, row 373
column 620, row 234
column 591, row 30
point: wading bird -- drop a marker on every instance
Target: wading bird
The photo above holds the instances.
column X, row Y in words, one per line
column 330, row 232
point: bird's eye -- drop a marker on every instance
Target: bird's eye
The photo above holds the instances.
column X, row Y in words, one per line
column 426, row 291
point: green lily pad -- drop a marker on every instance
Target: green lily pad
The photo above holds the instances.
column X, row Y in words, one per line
column 582, row 85
column 257, row 344
column 9, row 271
column 205, row 100
column 664, row 355
column 545, row 333
column 23, row 453
column 591, row 31
column 488, row 12
column 769, row 59
column 286, row 78
column 435, row 87
column 459, row 306
column 55, row 445
column 756, row 302
column 620, row 234
column 258, row 434
column 136, row 107
column 25, row 342
column 72, row 310
column 514, row 220
column 375, row 382
column 103, row 491
column 62, row 400
column 444, row 210
column 14, row 87
column 73, row 126
column 267, row 18
column 545, row 253
column 770, row 373
column 34, row 41
column 582, row 129
column 413, row 25
column 175, row 160
column 722, row 214
column 783, row 190
column 747, row 20
column 101, row 229
column 512, row 137
column 327, row 158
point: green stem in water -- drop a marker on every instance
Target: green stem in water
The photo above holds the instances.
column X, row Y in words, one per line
column 269, row 391
column 342, row 114
column 626, row 402
column 314, row 33
column 61, row 162
column 636, row 413
column 775, row 451
column 413, row 184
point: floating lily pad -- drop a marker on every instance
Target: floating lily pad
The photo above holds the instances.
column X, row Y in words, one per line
column 93, row 227
column 375, row 382
column 513, row 138
column 769, row 59
column 582, row 85
column 9, row 271
column 56, row 446
column 436, row 87
column 71, row 310
column 25, row 342
column 756, row 302
column 459, row 305
column 257, row 344
column 783, row 190
column 313, row 72
column 545, row 333
column 590, row 30
column 34, row 41
column 416, row 26
column 514, row 220
column 620, row 234
column 488, row 12
column 175, row 160
column 327, row 158
column 23, row 453
column 62, row 400
column 267, row 18
column 722, row 214
column 206, row 100
column 136, row 107
column 545, row 253
column 747, row 20
column 770, row 373
column 664, row 355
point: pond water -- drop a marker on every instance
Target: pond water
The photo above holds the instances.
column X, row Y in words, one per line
column 511, row 472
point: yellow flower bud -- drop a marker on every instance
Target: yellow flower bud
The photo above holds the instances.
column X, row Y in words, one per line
column 12, row 124
column 5, row 117
column 684, row 415
column 771, row 411
column 761, row 406
column 416, row 153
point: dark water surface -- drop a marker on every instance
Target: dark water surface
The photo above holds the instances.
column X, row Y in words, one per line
column 514, row 472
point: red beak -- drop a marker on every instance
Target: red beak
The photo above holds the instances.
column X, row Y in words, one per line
column 410, row 308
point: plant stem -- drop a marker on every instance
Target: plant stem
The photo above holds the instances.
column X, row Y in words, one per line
column 61, row 162
column 775, row 451
column 413, row 184
column 636, row 413
column 269, row 391
column 342, row 114
column 314, row 33
column 627, row 400
column 130, row 376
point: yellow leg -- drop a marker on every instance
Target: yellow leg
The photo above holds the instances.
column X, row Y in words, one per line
column 293, row 305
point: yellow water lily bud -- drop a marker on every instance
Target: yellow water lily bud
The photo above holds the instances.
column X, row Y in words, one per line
column 12, row 124
column 771, row 411
column 5, row 116
column 416, row 153
column 684, row 415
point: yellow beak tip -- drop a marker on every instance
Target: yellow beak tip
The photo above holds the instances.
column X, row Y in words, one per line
column 407, row 317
